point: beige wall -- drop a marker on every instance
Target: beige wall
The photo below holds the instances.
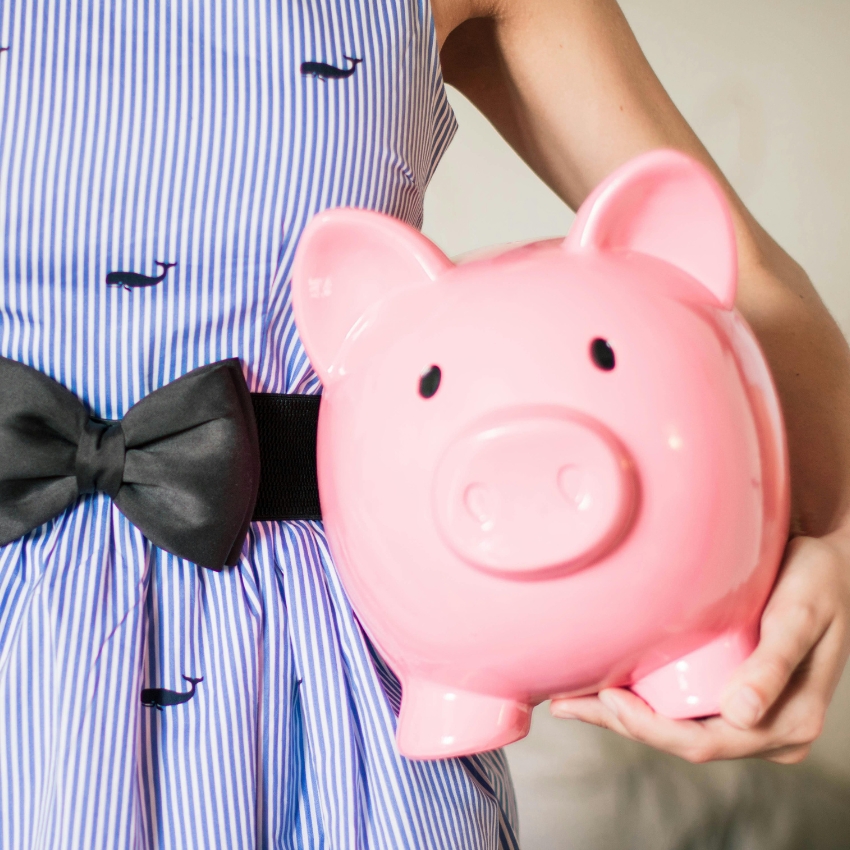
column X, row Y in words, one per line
column 766, row 85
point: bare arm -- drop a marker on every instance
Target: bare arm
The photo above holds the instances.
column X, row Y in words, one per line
column 566, row 84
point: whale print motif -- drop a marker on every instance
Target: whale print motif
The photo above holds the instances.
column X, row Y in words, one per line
column 329, row 72
column 134, row 280
column 161, row 697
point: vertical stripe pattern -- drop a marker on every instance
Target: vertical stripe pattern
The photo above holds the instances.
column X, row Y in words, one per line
column 140, row 133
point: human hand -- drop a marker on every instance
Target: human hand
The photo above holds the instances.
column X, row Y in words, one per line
column 774, row 705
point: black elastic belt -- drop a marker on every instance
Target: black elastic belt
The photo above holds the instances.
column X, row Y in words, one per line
column 186, row 464
column 286, row 427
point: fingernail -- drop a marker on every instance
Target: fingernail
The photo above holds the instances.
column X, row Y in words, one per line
column 562, row 713
column 744, row 708
column 610, row 702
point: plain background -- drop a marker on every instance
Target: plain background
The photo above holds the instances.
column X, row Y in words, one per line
column 766, row 86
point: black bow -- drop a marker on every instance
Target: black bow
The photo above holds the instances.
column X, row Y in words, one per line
column 183, row 465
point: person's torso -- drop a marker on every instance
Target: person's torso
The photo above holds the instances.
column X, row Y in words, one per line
column 158, row 161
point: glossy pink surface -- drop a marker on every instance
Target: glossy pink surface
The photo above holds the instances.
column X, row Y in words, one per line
column 541, row 525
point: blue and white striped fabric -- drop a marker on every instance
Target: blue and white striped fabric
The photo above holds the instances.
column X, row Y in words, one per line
column 134, row 132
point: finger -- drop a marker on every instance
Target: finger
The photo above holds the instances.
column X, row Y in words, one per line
column 588, row 709
column 797, row 717
column 795, row 720
column 687, row 739
column 696, row 741
column 623, row 712
column 786, row 733
column 790, row 628
column 762, row 678
column 788, row 755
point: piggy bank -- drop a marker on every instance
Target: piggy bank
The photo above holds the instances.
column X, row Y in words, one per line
column 552, row 468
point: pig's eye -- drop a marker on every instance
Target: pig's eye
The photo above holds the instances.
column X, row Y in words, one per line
column 429, row 383
column 602, row 354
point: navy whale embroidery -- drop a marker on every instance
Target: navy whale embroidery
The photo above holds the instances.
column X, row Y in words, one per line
column 161, row 697
column 329, row 72
column 3, row 49
column 134, row 280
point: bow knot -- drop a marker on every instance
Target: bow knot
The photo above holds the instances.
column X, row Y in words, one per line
column 100, row 457
column 183, row 465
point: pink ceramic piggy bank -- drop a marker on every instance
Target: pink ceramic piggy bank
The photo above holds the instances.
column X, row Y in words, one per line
column 548, row 470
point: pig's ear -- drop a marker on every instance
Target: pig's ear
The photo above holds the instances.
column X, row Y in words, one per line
column 669, row 206
column 346, row 261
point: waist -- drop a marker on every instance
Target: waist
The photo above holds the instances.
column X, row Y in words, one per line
column 191, row 464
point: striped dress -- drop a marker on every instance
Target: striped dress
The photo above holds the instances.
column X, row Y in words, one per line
column 137, row 134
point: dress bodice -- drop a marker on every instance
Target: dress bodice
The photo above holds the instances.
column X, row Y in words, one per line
column 158, row 161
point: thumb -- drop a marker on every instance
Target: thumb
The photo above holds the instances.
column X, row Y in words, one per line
column 788, row 634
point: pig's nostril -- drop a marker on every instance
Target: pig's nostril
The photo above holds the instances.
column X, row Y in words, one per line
column 572, row 483
column 478, row 500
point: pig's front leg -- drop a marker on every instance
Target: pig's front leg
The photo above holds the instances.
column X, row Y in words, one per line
column 441, row 721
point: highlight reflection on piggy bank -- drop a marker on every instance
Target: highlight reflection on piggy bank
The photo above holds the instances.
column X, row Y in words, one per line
column 550, row 470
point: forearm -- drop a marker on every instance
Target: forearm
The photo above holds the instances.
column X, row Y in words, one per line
column 810, row 363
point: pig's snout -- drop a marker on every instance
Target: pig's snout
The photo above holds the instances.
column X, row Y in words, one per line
column 534, row 490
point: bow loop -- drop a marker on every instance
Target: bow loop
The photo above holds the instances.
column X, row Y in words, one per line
column 100, row 457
